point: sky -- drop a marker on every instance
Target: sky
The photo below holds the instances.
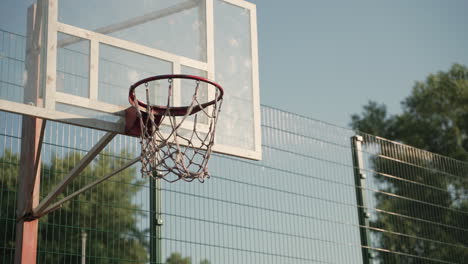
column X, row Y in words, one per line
column 326, row 59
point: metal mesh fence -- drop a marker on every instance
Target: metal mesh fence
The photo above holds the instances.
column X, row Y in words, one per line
column 317, row 196
column 417, row 204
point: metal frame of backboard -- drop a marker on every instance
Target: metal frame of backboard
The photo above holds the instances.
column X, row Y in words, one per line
column 97, row 37
column 50, row 95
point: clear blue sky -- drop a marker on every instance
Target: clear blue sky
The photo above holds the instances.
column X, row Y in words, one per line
column 325, row 59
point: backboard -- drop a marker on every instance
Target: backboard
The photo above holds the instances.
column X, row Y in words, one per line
column 74, row 61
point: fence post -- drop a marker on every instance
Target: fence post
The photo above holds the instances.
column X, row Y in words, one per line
column 156, row 221
column 83, row 246
column 360, row 184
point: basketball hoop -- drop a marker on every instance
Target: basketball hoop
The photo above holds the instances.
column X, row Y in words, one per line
column 176, row 141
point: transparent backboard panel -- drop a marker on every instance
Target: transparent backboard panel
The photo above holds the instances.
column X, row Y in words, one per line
column 119, row 68
column 12, row 72
column 233, row 61
column 187, row 86
column 205, row 92
column 73, row 78
column 180, row 32
column 13, row 45
column 75, row 60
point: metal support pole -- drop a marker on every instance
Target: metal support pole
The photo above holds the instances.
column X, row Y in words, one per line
column 28, row 190
column 156, row 222
column 32, row 135
column 84, row 236
column 360, row 183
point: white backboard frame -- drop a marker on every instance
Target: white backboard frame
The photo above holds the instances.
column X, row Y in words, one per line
column 51, row 97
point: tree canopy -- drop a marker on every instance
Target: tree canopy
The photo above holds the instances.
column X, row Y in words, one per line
column 108, row 213
column 176, row 258
column 434, row 118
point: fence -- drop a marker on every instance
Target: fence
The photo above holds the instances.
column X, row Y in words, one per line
column 319, row 195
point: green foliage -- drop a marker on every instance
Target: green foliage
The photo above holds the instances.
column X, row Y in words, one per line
column 106, row 213
column 9, row 166
column 435, row 118
column 176, row 258
column 439, row 105
column 435, row 115
column 374, row 120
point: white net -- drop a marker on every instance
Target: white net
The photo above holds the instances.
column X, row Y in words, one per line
column 177, row 142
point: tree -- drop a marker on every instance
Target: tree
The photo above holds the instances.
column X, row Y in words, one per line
column 435, row 115
column 176, row 258
column 435, row 118
column 8, row 172
column 107, row 213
